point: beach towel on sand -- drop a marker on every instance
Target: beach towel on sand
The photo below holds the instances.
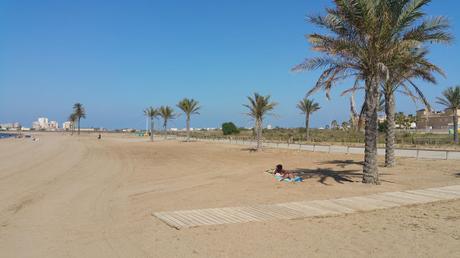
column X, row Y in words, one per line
column 296, row 179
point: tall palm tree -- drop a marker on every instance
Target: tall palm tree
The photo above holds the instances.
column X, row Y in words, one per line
column 151, row 113
column 451, row 100
column 72, row 120
column 307, row 107
column 259, row 106
column 365, row 37
column 79, row 112
column 190, row 107
column 167, row 113
column 404, row 69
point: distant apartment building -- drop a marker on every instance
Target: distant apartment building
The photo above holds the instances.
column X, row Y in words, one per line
column 10, row 126
column 43, row 123
column 435, row 120
column 66, row 125
column 53, row 125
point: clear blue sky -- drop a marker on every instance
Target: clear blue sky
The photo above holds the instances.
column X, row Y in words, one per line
column 118, row 57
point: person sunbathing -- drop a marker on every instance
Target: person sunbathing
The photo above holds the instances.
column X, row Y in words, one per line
column 279, row 171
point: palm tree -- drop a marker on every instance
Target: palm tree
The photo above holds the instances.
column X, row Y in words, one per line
column 80, row 113
column 190, row 107
column 151, row 113
column 259, row 106
column 307, row 107
column 167, row 113
column 404, row 69
column 72, row 120
column 451, row 100
column 334, row 125
column 365, row 37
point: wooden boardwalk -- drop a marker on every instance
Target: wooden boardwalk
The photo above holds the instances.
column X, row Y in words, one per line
column 295, row 210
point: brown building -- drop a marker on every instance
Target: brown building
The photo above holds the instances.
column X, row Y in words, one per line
column 435, row 120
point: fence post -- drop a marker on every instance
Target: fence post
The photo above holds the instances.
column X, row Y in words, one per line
column 418, row 151
column 447, row 155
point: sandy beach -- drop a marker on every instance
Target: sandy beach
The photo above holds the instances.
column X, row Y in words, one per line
column 69, row 196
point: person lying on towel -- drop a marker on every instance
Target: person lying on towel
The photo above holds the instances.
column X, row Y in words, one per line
column 279, row 171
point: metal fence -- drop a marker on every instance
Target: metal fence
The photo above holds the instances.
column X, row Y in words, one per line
column 400, row 152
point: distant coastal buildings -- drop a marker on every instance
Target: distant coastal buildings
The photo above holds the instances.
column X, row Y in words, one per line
column 430, row 120
column 10, row 126
column 42, row 123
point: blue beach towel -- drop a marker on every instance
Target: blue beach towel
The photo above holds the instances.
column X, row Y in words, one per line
column 296, row 179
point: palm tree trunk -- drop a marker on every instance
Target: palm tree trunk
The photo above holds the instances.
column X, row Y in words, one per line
column 370, row 169
column 307, row 126
column 79, row 126
column 188, row 128
column 455, row 126
column 164, row 127
column 390, row 131
column 258, row 133
column 151, row 129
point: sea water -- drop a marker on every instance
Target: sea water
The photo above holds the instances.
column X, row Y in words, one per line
column 6, row 135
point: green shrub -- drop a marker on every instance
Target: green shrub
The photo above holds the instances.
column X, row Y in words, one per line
column 229, row 128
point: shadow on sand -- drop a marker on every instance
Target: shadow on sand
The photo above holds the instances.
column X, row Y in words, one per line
column 343, row 163
column 327, row 173
column 249, row 149
column 339, row 176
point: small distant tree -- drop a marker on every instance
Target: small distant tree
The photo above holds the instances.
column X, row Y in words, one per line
column 307, row 107
column 79, row 112
column 258, row 107
column 167, row 113
column 229, row 128
column 451, row 100
column 151, row 113
column 345, row 125
column 190, row 107
column 334, row 124
column 72, row 120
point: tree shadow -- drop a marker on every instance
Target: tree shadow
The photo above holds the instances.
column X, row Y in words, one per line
column 348, row 176
column 343, row 163
column 249, row 149
column 457, row 174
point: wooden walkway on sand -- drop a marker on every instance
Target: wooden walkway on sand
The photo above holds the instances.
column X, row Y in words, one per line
column 295, row 210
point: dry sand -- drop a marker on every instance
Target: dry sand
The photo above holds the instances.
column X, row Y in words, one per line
column 79, row 197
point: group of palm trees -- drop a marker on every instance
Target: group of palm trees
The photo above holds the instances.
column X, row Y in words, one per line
column 78, row 113
column 259, row 106
column 382, row 45
column 188, row 106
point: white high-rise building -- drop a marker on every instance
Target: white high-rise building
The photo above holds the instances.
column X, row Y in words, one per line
column 66, row 125
column 43, row 122
column 53, row 125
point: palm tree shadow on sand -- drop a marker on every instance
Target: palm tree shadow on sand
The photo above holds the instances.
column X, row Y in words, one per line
column 343, row 163
column 323, row 174
column 249, row 149
column 339, row 176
